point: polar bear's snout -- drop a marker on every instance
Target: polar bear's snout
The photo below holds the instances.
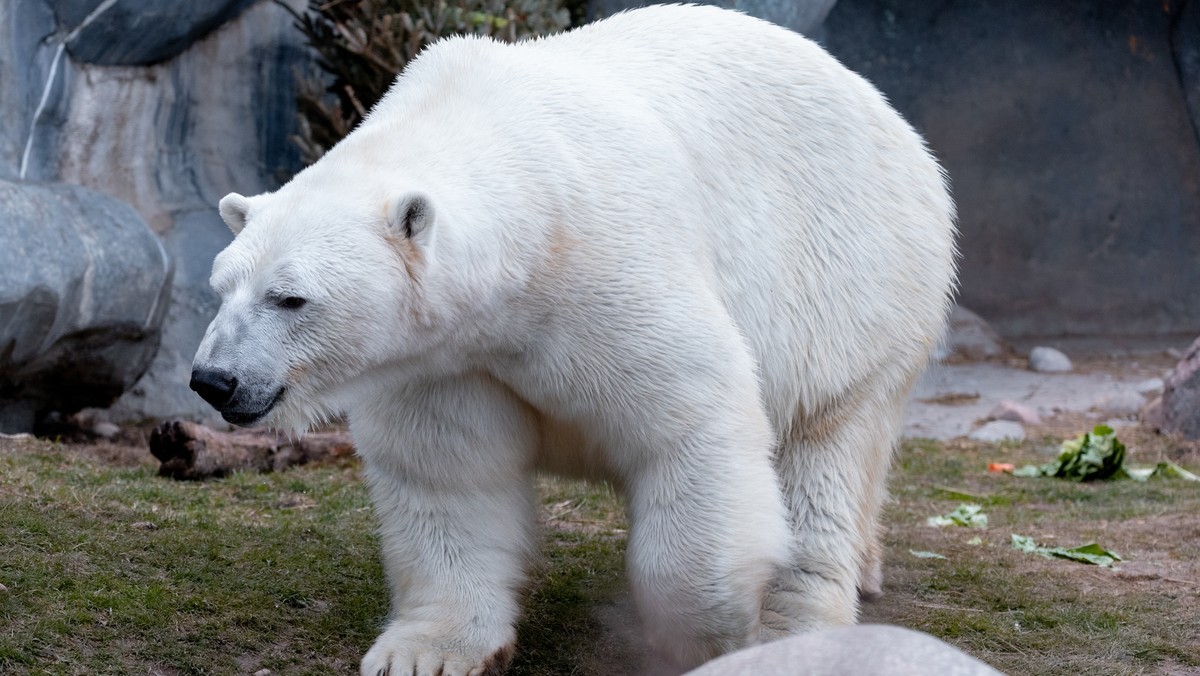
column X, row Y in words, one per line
column 234, row 370
column 214, row 386
column 238, row 404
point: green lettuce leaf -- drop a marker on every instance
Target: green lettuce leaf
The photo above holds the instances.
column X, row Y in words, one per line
column 1090, row 553
column 966, row 514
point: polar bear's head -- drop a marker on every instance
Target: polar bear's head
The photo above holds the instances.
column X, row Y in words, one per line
column 316, row 292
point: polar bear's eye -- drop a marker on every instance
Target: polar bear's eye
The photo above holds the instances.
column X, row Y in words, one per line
column 291, row 302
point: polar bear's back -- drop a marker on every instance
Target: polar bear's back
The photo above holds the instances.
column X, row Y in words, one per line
column 812, row 209
column 827, row 220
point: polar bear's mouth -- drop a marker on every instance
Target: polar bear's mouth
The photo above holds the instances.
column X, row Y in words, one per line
column 248, row 418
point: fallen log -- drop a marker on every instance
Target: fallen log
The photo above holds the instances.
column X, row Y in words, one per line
column 191, row 451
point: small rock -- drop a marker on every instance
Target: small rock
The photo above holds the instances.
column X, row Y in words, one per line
column 263, row 672
column 968, row 336
column 1124, row 403
column 1174, row 353
column 144, row 525
column 1152, row 414
column 3, row 589
column 1048, row 360
column 999, row 430
column 106, row 430
column 1149, row 386
column 1015, row 412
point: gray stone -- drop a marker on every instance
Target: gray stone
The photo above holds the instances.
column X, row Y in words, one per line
column 860, row 650
column 999, row 430
column 1070, row 146
column 1048, row 360
column 83, row 291
column 969, row 336
column 138, row 33
column 802, row 16
column 1016, row 412
column 1181, row 396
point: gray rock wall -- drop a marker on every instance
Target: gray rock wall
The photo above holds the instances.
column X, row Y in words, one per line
column 1070, row 146
column 167, row 106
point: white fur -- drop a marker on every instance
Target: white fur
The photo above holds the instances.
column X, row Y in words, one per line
column 680, row 249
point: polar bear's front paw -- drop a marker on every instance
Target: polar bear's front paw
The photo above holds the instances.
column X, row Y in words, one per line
column 419, row 649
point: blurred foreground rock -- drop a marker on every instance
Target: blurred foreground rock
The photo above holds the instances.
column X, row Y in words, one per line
column 861, row 650
column 83, row 293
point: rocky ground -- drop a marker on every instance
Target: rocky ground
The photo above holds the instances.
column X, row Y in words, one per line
column 1004, row 398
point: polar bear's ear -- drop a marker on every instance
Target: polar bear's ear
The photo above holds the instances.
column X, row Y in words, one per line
column 233, row 208
column 411, row 214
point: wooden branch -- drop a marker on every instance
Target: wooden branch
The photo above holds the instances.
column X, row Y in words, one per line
column 191, row 451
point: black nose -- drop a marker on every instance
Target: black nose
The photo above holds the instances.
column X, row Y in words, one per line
column 214, row 385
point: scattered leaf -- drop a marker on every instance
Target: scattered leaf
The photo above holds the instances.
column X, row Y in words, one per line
column 925, row 555
column 1090, row 553
column 969, row 515
column 1166, row 469
column 1090, row 456
column 975, row 541
column 1000, row 467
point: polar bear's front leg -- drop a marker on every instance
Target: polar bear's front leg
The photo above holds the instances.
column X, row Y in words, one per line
column 707, row 534
column 446, row 464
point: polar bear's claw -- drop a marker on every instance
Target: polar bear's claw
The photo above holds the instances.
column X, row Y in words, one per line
column 404, row 650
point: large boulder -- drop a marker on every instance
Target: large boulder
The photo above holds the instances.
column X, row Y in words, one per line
column 83, row 291
column 1180, row 408
column 1070, row 146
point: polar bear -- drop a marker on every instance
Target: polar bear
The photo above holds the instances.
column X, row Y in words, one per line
column 681, row 250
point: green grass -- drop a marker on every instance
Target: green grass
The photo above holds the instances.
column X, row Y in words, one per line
column 1029, row 615
column 282, row 571
column 277, row 571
